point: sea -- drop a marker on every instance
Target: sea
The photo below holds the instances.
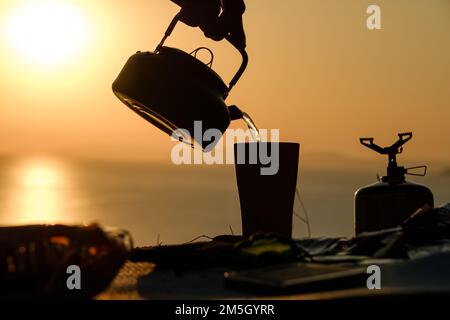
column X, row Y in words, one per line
column 169, row 204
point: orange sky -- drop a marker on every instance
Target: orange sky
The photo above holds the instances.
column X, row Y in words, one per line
column 316, row 73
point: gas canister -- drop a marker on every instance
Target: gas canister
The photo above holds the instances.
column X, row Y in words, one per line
column 387, row 203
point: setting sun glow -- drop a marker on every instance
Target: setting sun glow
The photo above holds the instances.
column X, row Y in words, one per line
column 47, row 32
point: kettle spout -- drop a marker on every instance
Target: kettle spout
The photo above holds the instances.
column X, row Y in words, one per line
column 235, row 113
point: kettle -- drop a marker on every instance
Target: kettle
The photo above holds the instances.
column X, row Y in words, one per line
column 389, row 202
column 173, row 89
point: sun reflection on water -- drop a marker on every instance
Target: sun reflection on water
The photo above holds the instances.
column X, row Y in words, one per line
column 38, row 193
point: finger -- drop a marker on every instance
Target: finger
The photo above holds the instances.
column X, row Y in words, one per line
column 231, row 24
column 198, row 12
column 237, row 34
column 235, row 6
column 188, row 16
column 214, row 31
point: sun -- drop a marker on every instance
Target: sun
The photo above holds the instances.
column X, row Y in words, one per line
column 47, row 32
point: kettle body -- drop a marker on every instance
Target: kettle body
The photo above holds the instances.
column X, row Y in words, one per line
column 385, row 205
column 172, row 90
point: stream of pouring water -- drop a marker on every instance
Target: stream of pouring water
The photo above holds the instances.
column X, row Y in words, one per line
column 252, row 127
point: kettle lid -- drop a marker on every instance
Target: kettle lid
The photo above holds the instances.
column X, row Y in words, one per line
column 189, row 65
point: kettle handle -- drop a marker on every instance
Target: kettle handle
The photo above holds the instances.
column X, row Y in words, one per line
column 243, row 66
column 241, row 50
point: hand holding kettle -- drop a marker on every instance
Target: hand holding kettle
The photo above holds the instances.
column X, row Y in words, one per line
column 218, row 19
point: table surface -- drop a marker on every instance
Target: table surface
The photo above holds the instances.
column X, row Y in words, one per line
column 125, row 287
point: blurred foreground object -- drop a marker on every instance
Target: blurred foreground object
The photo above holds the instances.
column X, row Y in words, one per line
column 34, row 260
